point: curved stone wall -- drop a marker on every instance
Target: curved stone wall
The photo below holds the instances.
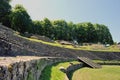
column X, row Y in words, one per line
column 25, row 68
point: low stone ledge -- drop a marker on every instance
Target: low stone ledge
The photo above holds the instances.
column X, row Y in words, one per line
column 74, row 67
column 70, row 69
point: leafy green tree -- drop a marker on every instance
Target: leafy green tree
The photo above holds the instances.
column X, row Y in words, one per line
column 61, row 30
column 80, row 33
column 107, row 36
column 20, row 19
column 71, row 31
column 90, row 32
column 37, row 28
column 5, row 10
column 103, row 34
column 100, row 34
column 47, row 27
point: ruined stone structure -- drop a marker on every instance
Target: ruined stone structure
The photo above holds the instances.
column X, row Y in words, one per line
column 25, row 68
column 29, row 68
column 5, row 47
column 24, row 47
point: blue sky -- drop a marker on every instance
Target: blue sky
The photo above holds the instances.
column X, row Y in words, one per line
column 96, row 11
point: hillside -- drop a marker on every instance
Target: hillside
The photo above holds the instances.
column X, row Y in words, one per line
column 13, row 45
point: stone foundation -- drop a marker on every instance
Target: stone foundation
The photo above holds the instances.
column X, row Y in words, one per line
column 24, row 68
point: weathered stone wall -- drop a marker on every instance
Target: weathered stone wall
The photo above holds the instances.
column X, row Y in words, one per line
column 24, row 47
column 70, row 70
column 24, row 68
column 5, row 47
column 74, row 67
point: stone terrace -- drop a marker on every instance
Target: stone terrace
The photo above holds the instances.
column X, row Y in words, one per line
column 6, row 61
column 14, row 45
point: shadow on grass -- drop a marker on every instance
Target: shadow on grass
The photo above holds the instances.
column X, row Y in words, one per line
column 70, row 74
column 46, row 73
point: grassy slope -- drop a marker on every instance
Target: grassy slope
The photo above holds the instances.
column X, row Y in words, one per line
column 53, row 73
column 106, row 73
column 107, row 62
column 89, row 48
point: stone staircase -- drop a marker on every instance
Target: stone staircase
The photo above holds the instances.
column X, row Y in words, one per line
column 89, row 62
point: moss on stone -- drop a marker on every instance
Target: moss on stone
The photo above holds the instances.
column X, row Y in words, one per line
column 40, row 63
column 10, row 68
column 30, row 76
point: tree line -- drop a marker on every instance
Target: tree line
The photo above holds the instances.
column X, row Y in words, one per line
column 19, row 20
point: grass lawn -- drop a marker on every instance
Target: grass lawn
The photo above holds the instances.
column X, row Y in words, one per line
column 111, row 62
column 105, row 73
column 53, row 72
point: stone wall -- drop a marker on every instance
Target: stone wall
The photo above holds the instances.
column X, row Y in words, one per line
column 70, row 69
column 74, row 67
column 24, row 68
column 5, row 47
column 23, row 47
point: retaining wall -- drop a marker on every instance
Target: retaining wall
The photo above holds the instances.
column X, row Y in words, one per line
column 25, row 68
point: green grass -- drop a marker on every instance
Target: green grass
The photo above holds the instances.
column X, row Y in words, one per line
column 53, row 72
column 106, row 61
column 111, row 62
column 88, row 48
column 105, row 73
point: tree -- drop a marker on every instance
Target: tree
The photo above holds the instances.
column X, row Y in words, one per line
column 5, row 10
column 37, row 28
column 80, row 33
column 20, row 19
column 61, row 30
column 47, row 27
column 90, row 32
column 103, row 34
column 71, row 31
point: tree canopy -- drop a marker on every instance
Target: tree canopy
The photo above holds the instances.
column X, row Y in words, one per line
column 82, row 32
column 19, row 20
column 5, row 9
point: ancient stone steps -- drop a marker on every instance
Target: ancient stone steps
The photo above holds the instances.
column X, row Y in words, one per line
column 89, row 62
